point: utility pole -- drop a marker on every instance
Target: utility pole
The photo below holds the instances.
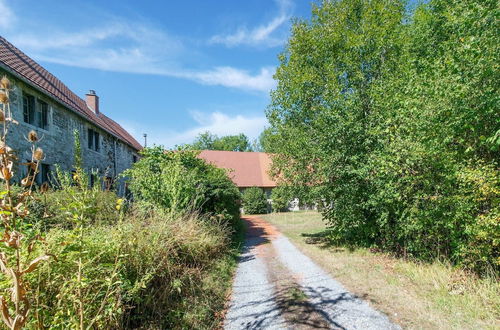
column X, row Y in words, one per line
column 145, row 140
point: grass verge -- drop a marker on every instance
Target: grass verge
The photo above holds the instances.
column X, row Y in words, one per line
column 413, row 294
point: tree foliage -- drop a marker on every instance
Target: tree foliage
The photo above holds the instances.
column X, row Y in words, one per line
column 209, row 141
column 281, row 197
column 392, row 117
column 254, row 201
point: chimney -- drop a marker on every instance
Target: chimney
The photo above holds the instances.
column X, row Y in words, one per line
column 92, row 101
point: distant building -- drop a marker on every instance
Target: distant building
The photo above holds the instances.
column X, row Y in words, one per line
column 41, row 102
column 247, row 169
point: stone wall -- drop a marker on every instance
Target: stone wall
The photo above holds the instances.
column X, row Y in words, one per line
column 57, row 139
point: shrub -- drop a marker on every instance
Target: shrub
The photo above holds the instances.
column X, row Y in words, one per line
column 254, row 201
column 151, row 270
column 179, row 180
column 281, row 197
column 56, row 209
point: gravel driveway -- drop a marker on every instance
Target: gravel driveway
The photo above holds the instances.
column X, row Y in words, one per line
column 278, row 287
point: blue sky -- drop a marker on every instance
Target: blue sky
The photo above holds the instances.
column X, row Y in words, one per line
column 171, row 69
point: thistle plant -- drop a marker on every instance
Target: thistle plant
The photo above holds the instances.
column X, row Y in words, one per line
column 15, row 256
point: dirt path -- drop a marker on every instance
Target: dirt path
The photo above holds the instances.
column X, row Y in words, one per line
column 277, row 287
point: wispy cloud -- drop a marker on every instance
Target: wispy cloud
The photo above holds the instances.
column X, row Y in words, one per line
column 231, row 77
column 260, row 35
column 136, row 60
column 121, row 46
column 216, row 122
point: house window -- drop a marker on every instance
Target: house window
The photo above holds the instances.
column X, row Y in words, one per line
column 92, row 180
column 35, row 111
column 42, row 114
column 108, row 183
column 44, row 175
column 29, row 108
column 134, row 159
column 44, row 172
column 93, row 140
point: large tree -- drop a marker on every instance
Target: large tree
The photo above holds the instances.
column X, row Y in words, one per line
column 321, row 110
column 391, row 118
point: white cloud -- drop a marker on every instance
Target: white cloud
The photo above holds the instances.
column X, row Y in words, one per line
column 7, row 15
column 216, row 122
column 136, row 60
column 261, row 35
column 136, row 47
column 231, row 77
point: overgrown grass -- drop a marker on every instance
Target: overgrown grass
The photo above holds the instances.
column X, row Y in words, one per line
column 416, row 295
column 141, row 268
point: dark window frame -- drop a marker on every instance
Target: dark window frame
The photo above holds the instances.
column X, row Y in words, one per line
column 42, row 112
column 29, row 108
column 109, row 183
column 35, row 111
column 44, row 173
column 93, row 140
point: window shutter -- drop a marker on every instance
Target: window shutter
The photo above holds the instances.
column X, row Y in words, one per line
column 25, row 109
column 44, row 113
column 96, row 136
column 90, row 138
column 31, row 108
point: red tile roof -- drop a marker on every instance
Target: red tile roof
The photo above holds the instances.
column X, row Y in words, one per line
column 249, row 169
column 18, row 63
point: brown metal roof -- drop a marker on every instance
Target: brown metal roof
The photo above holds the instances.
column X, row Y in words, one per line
column 25, row 68
column 249, row 169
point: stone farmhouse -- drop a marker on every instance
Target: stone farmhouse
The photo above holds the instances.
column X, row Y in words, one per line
column 41, row 102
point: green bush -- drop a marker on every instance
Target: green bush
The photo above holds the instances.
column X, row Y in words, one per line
column 254, row 201
column 281, row 197
column 179, row 180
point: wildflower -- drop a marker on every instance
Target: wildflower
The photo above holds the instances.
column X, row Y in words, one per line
column 5, row 82
column 32, row 136
column 119, row 203
column 3, row 98
column 38, row 154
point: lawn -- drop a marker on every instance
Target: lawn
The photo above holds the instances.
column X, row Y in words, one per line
column 414, row 295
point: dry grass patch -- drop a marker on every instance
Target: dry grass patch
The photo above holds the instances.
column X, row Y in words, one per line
column 415, row 295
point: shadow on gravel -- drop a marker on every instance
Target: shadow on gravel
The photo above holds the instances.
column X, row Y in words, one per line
column 256, row 235
column 300, row 312
column 306, row 313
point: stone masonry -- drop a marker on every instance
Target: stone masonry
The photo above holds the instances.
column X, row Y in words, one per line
column 112, row 157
